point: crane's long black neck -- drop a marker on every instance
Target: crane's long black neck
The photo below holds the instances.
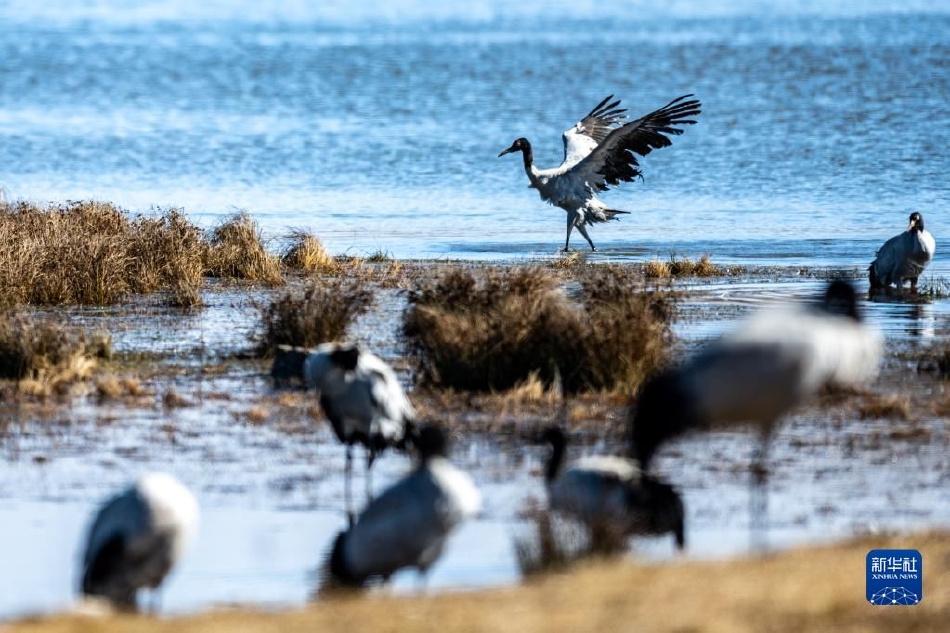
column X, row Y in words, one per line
column 558, row 444
column 527, row 154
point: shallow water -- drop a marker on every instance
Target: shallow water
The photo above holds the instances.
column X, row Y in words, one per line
column 379, row 126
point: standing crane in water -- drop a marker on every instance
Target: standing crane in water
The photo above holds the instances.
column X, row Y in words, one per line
column 599, row 153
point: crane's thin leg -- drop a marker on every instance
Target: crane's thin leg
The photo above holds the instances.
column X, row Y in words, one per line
column 758, row 494
column 571, row 218
column 583, row 230
column 422, row 581
column 348, row 499
column 155, row 602
column 370, row 458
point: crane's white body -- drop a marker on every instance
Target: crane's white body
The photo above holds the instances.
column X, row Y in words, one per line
column 776, row 361
column 365, row 403
column 610, row 496
column 408, row 524
column 594, row 490
column 137, row 537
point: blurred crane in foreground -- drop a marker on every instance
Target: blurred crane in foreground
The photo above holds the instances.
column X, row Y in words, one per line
column 136, row 539
column 779, row 359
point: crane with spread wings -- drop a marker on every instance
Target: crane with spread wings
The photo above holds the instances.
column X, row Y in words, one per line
column 599, row 153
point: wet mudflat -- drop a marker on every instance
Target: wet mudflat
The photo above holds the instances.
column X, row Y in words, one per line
column 268, row 471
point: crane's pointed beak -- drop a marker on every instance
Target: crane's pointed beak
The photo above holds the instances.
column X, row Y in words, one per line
column 508, row 151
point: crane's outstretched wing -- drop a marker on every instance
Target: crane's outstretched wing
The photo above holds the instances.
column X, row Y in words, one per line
column 614, row 160
column 580, row 140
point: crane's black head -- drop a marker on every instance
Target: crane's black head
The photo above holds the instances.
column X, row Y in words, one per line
column 840, row 299
column 520, row 145
column 663, row 410
column 288, row 365
column 346, row 356
column 916, row 222
column 431, row 441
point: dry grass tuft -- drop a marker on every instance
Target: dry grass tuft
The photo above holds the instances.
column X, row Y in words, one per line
column 257, row 414
column 320, row 314
column 623, row 335
column 114, row 388
column 94, row 253
column 170, row 254
column 685, row 267
column 486, row 334
column 657, row 269
column 688, row 268
column 306, row 254
column 570, row 261
column 379, row 256
column 237, row 251
column 531, row 390
column 171, row 399
column 495, row 332
column 890, row 407
column 45, row 357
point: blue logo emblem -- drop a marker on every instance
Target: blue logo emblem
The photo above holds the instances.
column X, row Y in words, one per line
column 895, row 577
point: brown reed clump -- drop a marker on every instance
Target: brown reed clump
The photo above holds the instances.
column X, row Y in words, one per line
column 320, row 314
column 93, row 253
column 236, row 251
column 305, row 253
column 685, row 267
column 656, row 269
column 486, row 334
column 885, row 407
column 499, row 331
column 170, row 254
column 623, row 335
column 44, row 356
column 688, row 268
column 568, row 262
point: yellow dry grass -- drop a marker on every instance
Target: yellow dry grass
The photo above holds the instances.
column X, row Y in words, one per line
column 811, row 589
column 95, row 253
column 685, row 267
column 306, row 254
column 237, row 251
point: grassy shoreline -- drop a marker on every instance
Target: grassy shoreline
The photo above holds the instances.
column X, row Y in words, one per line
column 804, row 589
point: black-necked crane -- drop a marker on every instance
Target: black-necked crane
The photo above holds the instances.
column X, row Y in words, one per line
column 779, row 359
column 359, row 394
column 407, row 525
column 136, row 539
column 903, row 257
column 599, row 153
column 610, row 495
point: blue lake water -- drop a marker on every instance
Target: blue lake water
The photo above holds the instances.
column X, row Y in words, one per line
column 378, row 126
